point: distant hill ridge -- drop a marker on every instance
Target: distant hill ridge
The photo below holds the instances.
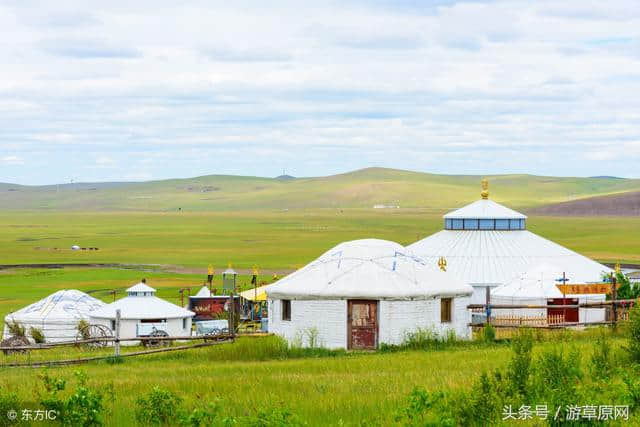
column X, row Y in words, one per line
column 623, row 204
column 357, row 189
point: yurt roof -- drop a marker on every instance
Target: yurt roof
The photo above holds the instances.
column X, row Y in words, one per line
column 370, row 268
column 484, row 209
column 62, row 306
column 204, row 292
column 142, row 307
column 495, row 257
column 141, row 287
column 538, row 282
column 257, row 294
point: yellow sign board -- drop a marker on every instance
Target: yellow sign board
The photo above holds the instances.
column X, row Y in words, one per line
column 586, row 288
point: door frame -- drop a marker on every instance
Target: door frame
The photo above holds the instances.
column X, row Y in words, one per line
column 377, row 320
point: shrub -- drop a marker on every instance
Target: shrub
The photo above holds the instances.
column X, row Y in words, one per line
column 633, row 391
column 37, row 335
column 424, row 409
column 274, row 417
column 488, row 333
column 8, row 402
column 83, row 329
column 483, row 404
column 520, row 364
column 208, row 415
column 601, row 359
column 158, row 407
column 633, row 332
column 556, row 377
column 82, row 408
column 16, row 329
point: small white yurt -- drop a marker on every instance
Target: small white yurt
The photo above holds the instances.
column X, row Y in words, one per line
column 56, row 315
column 366, row 292
column 538, row 286
column 141, row 312
column 204, row 292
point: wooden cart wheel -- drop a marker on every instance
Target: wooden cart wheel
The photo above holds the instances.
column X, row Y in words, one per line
column 157, row 343
column 99, row 332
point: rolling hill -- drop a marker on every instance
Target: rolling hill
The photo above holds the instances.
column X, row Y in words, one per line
column 623, row 204
column 359, row 189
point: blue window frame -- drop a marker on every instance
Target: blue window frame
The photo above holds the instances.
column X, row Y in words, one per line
column 484, row 224
column 470, row 224
column 502, row 224
column 487, row 224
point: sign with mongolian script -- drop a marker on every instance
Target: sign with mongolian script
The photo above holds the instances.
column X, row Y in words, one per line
column 207, row 308
column 586, row 288
column 210, row 308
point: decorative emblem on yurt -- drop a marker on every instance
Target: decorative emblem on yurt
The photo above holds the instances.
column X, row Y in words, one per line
column 485, row 188
column 442, row 263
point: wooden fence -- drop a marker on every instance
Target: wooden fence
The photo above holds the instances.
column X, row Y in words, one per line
column 616, row 311
column 103, row 341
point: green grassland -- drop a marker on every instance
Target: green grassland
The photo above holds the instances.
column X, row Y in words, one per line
column 267, row 239
column 251, row 374
column 277, row 226
column 359, row 189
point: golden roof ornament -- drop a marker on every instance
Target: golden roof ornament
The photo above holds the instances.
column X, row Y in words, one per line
column 485, row 188
column 442, row 263
column 617, row 268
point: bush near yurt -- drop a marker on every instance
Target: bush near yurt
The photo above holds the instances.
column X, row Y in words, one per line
column 37, row 335
column 83, row 329
column 16, row 329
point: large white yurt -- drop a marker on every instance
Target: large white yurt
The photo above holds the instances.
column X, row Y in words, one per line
column 487, row 245
column 141, row 312
column 539, row 286
column 56, row 315
column 366, row 292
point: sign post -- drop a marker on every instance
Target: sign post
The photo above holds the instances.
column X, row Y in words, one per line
column 614, row 295
column 117, row 341
column 210, row 277
column 229, row 283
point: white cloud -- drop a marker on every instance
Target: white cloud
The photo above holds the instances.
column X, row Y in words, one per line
column 249, row 87
column 12, row 160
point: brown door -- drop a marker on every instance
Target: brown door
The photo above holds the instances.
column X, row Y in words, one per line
column 362, row 329
column 570, row 315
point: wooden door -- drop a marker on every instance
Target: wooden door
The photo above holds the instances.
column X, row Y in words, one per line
column 570, row 315
column 362, row 324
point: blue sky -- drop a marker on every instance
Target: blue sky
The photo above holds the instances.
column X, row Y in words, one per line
column 101, row 91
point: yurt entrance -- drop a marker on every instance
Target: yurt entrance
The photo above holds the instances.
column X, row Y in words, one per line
column 568, row 315
column 362, row 329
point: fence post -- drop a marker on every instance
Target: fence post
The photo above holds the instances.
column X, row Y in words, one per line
column 117, row 341
column 614, row 297
column 488, row 304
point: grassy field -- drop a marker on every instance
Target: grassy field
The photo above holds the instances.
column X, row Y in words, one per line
column 270, row 240
column 251, row 374
column 359, row 189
